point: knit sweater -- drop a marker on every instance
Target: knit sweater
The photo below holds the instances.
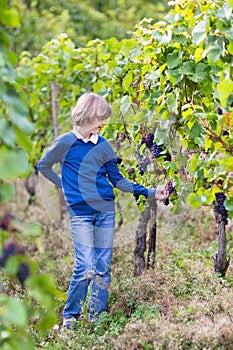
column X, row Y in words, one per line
column 88, row 174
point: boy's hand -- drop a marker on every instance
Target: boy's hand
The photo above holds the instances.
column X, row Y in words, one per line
column 161, row 193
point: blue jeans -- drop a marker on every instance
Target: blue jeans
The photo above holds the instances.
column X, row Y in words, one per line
column 93, row 237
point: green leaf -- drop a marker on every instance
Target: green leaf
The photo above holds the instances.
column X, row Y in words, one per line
column 23, row 140
column 9, row 17
column 19, row 116
column 213, row 54
column 162, row 38
column 230, row 2
column 12, row 264
column 99, row 85
column 139, row 117
column 13, row 311
column 127, row 46
column 188, row 68
column 228, row 204
column 178, row 207
column 174, row 59
column 13, row 164
column 7, row 192
column 227, row 163
column 199, row 32
column 113, row 44
column 225, row 88
column 127, row 80
column 6, row 133
column 43, row 289
column 230, row 48
column 193, row 200
column 125, row 104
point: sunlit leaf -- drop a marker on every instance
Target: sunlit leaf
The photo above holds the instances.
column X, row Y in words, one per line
column 225, row 88
column 10, row 17
column 199, row 32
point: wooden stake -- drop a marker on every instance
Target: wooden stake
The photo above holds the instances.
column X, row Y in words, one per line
column 152, row 236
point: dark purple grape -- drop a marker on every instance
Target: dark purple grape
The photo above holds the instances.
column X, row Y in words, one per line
column 122, row 137
column 156, row 150
column 220, row 197
column 219, row 207
column 9, row 249
column 169, row 188
column 219, row 111
column 131, row 171
column 23, row 272
column 13, row 248
column 119, row 160
column 148, row 140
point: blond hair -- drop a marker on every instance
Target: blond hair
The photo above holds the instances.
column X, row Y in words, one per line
column 89, row 107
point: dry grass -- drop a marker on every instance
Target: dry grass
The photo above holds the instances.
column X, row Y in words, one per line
column 179, row 305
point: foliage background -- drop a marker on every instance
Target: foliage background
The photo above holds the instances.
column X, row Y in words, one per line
column 178, row 92
column 81, row 20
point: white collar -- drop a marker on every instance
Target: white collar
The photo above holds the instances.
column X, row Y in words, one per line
column 93, row 138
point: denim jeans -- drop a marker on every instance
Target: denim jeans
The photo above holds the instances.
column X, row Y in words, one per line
column 93, row 237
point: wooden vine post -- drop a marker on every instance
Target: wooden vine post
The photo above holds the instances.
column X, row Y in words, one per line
column 55, row 111
column 149, row 214
column 152, row 236
column 220, row 259
column 140, row 247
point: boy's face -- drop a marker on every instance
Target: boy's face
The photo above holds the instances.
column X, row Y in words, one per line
column 96, row 126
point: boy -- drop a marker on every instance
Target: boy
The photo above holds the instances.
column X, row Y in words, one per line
column 88, row 174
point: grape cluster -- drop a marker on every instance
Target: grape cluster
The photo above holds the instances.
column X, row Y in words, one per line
column 148, row 140
column 12, row 248
column 169, row 189
column 156, row 150
column 219, row 207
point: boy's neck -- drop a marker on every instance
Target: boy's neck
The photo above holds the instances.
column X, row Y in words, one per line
column 84, row 131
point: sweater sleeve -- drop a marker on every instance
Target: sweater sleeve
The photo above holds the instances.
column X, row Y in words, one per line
column 120, row 182
column 54, row 154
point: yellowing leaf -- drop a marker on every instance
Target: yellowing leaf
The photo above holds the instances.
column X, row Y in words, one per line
column 225, row 88
column 227, row 163
column 230, row 48
column 198, row 55
column 189, row 111
column 208, row 143
column 192, row 199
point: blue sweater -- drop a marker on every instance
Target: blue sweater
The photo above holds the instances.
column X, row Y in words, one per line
column 88, row 174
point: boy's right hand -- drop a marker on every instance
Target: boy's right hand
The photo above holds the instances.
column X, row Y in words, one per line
column 161, row 194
